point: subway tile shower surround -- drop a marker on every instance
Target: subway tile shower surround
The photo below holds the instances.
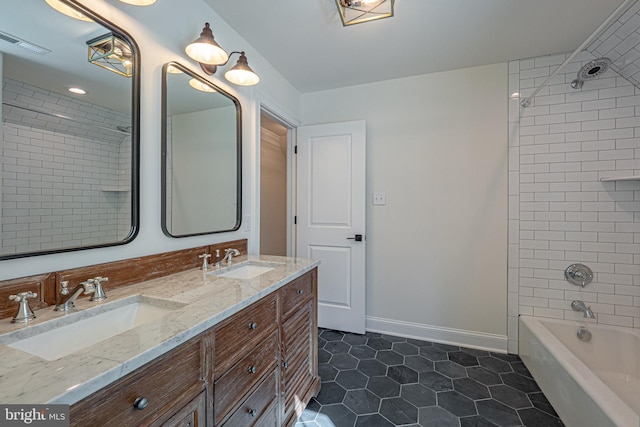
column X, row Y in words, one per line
column 559, row 211
column 54, row 172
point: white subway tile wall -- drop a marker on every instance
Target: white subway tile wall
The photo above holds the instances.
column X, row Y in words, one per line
column 62, row 180
column 560, row 212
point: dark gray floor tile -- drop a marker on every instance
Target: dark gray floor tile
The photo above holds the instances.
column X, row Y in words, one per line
column 344, row 361
column 475, row 352
column 379, row 344
column 330, row 335
column 372, row 335
column 362, row 402
column 435, row 416
column 337, row 347
column 352, row 379
column 405, row 348
column 539, row 400
column 435, row 381
column 310, row 412
column 484, row 376
column 495, row 365
column 446, row 347
column 418, row 395
column 471, row 388
column 450, row 369
column 418, row 343
column 506, row 357
column 463, row 359
column 517, row 381
column 372, row 368
column 362, row 352
column 393, row 338
column 418, row 363
column 433, row 353
column 398, row 411
column 330, row 392
column 383, row 387
column 327, row 372
column 498, row 413
column 476, row 421
column 510, row 396
column 390, row 357
column 336, row 416
column 456, row 403
column 375, row 420
column 402, row 374
column 323, row 356
column 520, row 368
column 534, row 417
column 321, row 341
column 354, row 339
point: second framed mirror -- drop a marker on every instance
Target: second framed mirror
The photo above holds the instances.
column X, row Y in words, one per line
column 201, row 155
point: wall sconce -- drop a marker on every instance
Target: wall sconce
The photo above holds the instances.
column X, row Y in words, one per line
column 111, row 53
column 208, row 53
column 359, row 11
column 65, row 9
column 139, row 2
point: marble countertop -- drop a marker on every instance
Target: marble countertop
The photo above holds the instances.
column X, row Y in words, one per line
column 209, row 300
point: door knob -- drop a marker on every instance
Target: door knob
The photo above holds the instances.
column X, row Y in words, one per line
column 357, row 238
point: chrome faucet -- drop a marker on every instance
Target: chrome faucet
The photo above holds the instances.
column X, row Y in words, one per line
column 98, row 294
column 577, row 305
column 228, row 256
column 86, row 287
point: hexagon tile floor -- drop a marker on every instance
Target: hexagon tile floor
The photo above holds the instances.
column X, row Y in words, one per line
column 375, row 380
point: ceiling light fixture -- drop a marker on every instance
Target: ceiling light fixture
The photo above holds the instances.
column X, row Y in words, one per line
column 358, row 11
column 139, row 2
column 210, row 55
column 111, row 53
column 65, row 9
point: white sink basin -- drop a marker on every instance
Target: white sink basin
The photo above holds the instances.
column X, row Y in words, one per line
column 66, row 335
column 246, row 270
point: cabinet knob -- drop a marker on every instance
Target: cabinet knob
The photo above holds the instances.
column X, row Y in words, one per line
column 285, row 365
column 253, row 325
column 300, row 291
column 140, row 403
column 252, row 369
column 252, row 412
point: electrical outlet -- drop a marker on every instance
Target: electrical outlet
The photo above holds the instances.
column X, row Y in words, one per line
column 380, row 198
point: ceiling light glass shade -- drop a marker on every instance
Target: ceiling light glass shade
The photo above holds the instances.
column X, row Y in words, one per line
column 206, row 50
column 359, row 11
column 173, row 70
column 241, row 74
column 68, row 10
column 203, row 87
column 111, row 53
column 139, row 2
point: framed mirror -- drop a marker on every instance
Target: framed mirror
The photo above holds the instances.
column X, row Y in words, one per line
column 201, row 155
column 69, row 142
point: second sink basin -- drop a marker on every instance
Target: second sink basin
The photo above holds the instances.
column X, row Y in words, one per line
column 66, row 335
column 246, row 270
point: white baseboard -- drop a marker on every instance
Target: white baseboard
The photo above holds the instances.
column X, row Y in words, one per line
column 459, row 337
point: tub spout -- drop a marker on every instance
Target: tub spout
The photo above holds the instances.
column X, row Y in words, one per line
column 577, row 305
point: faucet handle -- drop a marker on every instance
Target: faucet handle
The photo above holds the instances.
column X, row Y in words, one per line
column 64, row 287
column 23, row 296
column 24, row 313
column 98, row 292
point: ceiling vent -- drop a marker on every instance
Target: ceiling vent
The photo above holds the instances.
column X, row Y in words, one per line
column 33, row 48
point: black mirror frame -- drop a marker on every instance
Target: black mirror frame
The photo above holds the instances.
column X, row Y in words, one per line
column 135, row 141
column 163, row 175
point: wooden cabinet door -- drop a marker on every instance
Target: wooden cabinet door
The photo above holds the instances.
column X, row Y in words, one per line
column 191, row 415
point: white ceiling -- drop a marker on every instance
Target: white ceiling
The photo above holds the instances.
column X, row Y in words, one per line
column 306, row 42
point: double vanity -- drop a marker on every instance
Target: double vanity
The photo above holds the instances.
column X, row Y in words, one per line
column 233, row 346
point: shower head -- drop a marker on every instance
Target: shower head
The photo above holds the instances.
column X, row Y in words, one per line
column 591, row 70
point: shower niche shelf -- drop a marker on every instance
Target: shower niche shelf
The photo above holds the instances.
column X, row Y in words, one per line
column 621, row 178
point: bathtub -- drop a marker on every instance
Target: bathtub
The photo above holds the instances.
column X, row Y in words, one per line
column 592, row 383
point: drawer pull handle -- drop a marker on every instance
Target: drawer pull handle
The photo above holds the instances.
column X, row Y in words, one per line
column 285, row 365
column 252, row 369
column 253, row 325
column 140, row 403
column 300, row 291
column 253, row 412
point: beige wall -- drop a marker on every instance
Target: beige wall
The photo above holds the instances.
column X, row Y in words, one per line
column 437, row 251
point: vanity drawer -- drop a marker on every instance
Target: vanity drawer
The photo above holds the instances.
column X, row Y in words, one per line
column 239, row 334
column 238, row 380
column 168, row 383
column 297, row 292
column 257, row 406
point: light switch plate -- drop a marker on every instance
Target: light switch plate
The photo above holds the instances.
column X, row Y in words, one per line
column 380, row 198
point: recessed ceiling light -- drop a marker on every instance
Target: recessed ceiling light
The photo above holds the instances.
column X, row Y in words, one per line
column 77, row 90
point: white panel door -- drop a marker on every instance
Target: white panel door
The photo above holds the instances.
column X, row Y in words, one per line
column 331, row 201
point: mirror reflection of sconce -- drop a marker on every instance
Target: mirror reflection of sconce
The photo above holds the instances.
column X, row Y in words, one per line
column 111, row 53
column 65, row 9
column 208, row 53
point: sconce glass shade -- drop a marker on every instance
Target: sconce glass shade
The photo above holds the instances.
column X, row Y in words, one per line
column 173, row 70
column 65, row 9
column 206, row 50
column 139, row 2
column 241, row 74
column 111, row 53
column 197, row 84
column 358, row 11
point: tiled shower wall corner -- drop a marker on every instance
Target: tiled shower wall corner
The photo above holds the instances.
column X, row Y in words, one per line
column 559, row 211
column 61, row 179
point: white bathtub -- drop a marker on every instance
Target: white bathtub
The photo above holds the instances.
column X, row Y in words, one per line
column 592, row 383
